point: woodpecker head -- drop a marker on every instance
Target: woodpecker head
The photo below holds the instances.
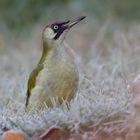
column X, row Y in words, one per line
column 57, row 30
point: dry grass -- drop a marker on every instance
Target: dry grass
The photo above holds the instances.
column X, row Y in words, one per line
column 109, row 60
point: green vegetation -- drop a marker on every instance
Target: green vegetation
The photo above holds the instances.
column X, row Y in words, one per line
column 17, row 15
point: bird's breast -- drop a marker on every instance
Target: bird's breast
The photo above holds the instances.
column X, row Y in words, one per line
column 58, row 77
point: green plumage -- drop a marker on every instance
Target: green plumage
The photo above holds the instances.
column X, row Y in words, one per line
column 35, row 72
column 31, row 82
column 55, row 77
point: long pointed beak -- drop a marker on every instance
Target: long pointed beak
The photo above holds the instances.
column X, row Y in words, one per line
column 70, row 23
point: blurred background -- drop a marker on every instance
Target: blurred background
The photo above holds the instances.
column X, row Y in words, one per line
column 17, row 18
column 110, row 35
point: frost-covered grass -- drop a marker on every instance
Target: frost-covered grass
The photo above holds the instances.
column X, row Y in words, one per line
column 110, row 60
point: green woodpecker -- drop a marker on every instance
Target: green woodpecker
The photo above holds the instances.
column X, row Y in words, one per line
column 56, row 76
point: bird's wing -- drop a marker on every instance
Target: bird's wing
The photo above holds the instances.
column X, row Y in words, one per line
column 32, row 81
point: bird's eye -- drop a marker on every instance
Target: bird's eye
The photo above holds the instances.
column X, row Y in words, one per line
column 55, row 27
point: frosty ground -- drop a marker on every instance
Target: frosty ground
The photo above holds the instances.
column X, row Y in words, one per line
column 108, row 56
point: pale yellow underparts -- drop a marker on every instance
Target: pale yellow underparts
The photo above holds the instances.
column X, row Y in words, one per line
column 58, row 78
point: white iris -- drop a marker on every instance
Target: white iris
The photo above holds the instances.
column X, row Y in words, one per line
column 55, row 27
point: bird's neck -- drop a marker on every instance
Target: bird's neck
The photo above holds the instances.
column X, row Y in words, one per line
column 45, row 51
column 50, row 48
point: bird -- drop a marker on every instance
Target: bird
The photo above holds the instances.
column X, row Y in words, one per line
column 56, row 77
